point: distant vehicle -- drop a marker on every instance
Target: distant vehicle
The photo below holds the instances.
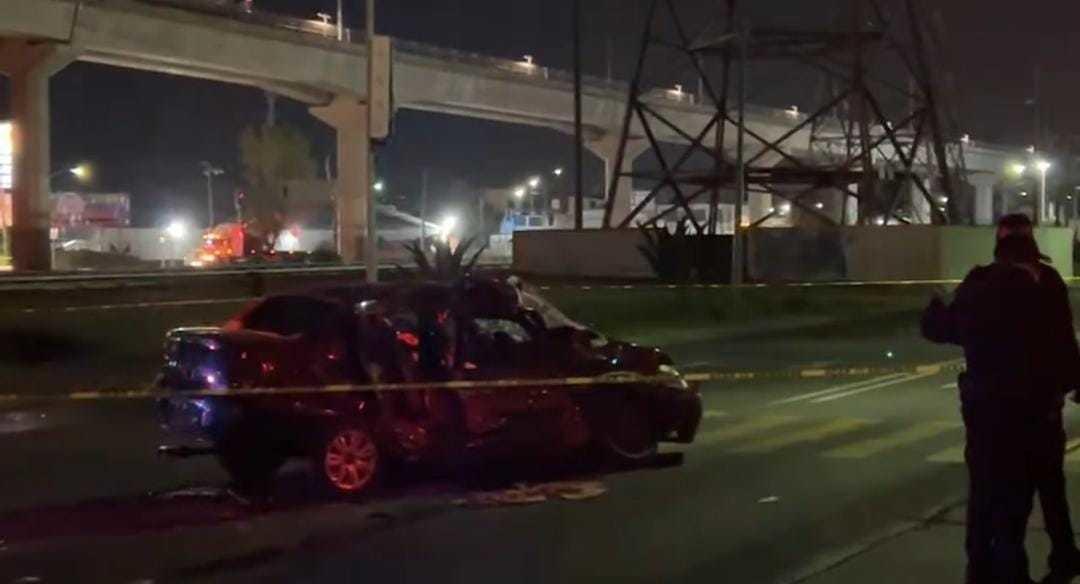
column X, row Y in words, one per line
column 237, row 243
column 477, row 329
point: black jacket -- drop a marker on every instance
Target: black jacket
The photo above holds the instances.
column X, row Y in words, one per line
column 1015, row 325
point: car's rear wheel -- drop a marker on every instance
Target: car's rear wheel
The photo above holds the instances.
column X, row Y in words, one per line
column 627, row 434
column 347, row 460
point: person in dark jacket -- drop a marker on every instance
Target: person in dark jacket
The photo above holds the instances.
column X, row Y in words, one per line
column 1014, row 321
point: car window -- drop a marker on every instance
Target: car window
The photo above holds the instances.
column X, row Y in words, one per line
column 493, row 327
column 292, row 315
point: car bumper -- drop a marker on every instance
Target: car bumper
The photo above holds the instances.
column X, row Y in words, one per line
column 195, row 421
column 678, row 415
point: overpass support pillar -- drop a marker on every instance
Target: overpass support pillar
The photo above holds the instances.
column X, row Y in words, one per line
column 984, row 196
column 607, row 148
column 29, row 68
column 921, row 213
column 349, row 118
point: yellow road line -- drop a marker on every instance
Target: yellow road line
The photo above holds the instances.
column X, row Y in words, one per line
column 813, row 434
column 867, row 448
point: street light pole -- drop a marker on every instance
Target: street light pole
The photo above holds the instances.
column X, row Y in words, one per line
column 340, row 21
column 210, row 171
column 1042, row 166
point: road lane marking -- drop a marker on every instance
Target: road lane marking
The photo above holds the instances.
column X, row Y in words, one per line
column 874, row 387
column 953, row 385
column 813, row 434
column 744, row 428
column 951, row 455
column 714, row 414
column 905, row 437
column 1072, row 454
column 835, row 388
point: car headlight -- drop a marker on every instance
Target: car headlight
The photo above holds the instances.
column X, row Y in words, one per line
column 676, row 381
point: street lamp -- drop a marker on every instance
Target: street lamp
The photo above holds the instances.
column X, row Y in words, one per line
column 558, row 171
column 210, row 171
column 1042, row 166
column 534, row 182
column 379, row 186
column 1018, row 169
column 81, row 172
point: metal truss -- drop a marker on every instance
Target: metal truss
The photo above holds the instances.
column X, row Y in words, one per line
column 871, row 139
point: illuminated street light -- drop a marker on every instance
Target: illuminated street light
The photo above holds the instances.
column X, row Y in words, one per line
column 519, row 193
column 176, row 230
column 379, row 186
column 80, row 171
column 1018, row 168
column 534, row 182
column 819, row 206
column 558, row 171
column 447, row 226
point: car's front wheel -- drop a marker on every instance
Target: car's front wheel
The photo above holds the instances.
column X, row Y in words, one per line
column 347, row 460
column 626, row 434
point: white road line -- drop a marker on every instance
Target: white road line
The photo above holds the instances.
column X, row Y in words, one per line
column 812, row 434
column 952, row 385
column 949, row 455
column 904, row 437
column 877, row 386
column 739, row 430
column 714, row 414
column 836, row 388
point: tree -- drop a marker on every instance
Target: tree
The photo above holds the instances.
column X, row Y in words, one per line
column 272, row 156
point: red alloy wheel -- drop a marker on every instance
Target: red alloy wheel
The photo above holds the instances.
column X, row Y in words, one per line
column 350, row 460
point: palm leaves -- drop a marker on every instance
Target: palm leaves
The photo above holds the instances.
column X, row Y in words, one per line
column 683, row 256
column 447, row 262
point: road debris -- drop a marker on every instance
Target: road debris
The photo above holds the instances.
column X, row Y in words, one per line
column 525, row 494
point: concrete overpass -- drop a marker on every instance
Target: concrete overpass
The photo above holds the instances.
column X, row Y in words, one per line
column 300, row 59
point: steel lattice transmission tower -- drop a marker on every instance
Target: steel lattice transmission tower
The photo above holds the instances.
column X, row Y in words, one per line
column 881, row 141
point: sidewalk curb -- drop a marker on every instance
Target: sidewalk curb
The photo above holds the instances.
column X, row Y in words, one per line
column 828, row 562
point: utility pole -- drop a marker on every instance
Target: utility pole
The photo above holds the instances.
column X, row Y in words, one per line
column 740, row 163
column 579, row 138
column 371, row 241
column 423, row 208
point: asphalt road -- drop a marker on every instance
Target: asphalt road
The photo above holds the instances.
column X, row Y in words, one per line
column 784, row 480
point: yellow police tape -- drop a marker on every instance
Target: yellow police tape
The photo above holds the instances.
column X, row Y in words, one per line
column 607, row 380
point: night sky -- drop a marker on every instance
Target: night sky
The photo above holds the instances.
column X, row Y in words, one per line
column 146, row 133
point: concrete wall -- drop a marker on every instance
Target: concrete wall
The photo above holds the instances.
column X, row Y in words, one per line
column 596, row 253
column 857, row 253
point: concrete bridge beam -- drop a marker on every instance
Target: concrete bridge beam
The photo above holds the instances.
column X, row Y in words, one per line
column 352, row 191
column 606, row 146
column 29, row 68
column 984, row 183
